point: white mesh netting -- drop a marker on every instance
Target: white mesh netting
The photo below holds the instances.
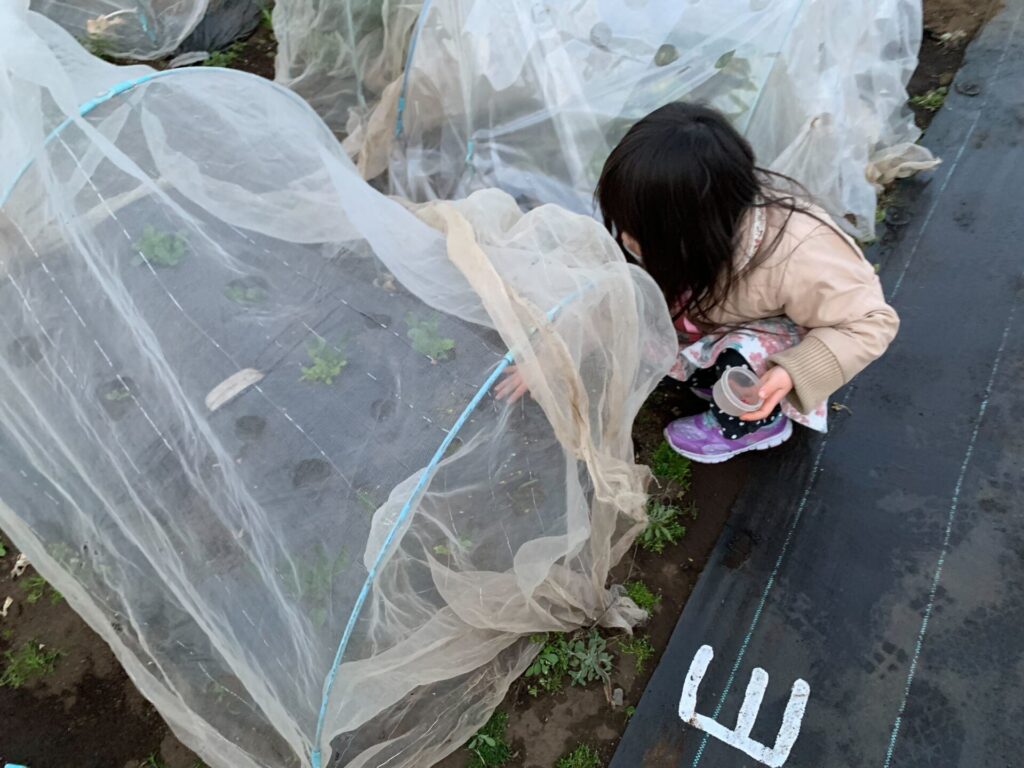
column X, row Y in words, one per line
column 340, row 56
column 131, row 29
column 246, row 426
column 530, row 97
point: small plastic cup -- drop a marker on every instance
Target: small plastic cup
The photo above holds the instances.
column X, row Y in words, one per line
column 736, row 392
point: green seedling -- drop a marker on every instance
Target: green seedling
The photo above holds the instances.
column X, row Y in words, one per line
column 931, row 101
column 118, row 394
column 488, row 747
column 669, row 465
column 30, row 661
column 445, row 551
column 427, row 340
column 629, row 712
column 36, row 586
column 581, row 757
column 226, row 57
column 326, row 363
column 246, row 294
column 3, row 549
column 267, row 19
column 584, row 658
column 153, row 761
column 885, row 199
column 663, row 527
column 312, row 581
column 160, row 249
column 589, row 659
column 547, row 671
column 640, row 594
column 640, row 649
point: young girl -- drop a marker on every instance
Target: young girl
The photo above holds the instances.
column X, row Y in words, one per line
column 754, row 277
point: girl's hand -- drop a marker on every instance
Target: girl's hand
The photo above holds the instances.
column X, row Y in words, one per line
column 775, row 385
column 512, row 387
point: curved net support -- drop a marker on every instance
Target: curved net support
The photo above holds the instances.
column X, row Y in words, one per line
column 128, row 29
column 820, row 95
column 341, row 55
column 247, row 429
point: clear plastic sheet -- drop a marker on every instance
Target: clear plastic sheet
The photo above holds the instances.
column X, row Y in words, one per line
column 246, row 426
column 530, row 97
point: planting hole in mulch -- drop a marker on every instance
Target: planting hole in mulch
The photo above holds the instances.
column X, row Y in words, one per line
column 25, row 351
column 310, row 472
column 116, row 396
column 250, row 427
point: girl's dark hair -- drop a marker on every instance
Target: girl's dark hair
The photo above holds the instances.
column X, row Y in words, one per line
column 680, row 182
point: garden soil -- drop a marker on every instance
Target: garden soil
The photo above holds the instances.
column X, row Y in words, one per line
column 88, row 714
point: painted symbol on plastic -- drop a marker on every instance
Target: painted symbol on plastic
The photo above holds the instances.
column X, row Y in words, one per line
column 739, row 737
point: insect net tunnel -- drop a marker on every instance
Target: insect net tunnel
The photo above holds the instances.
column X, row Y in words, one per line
column 341, row 55
column 820, row 95
column 246, row 425
column 132, row 29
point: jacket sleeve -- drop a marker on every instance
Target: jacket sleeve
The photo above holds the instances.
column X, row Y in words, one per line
column 829, row 287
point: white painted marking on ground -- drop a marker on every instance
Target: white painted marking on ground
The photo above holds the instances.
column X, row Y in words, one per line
column 739, row 737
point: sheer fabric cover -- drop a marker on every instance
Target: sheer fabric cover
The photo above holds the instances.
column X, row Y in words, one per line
column 246, row 425
column 530, row 97
column 340, row 55
column 129, row 29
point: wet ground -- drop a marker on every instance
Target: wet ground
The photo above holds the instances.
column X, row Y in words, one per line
column 886, row 567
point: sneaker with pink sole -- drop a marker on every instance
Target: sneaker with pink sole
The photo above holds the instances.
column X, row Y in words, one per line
column 699, row 438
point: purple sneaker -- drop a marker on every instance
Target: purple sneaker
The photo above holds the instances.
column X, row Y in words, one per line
column 700, row 439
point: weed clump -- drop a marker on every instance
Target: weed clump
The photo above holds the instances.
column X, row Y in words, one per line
column 669, row 465
column 663, row 527
column 30, row 661
column 488, row 746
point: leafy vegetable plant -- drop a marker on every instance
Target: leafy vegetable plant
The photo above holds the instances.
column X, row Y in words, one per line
column 546, row 673
column 488, row 746
column 161, row 249
column 663, row 527
column 326, row 363
column 641, row 594
column 427, row 340
column 589, row 659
